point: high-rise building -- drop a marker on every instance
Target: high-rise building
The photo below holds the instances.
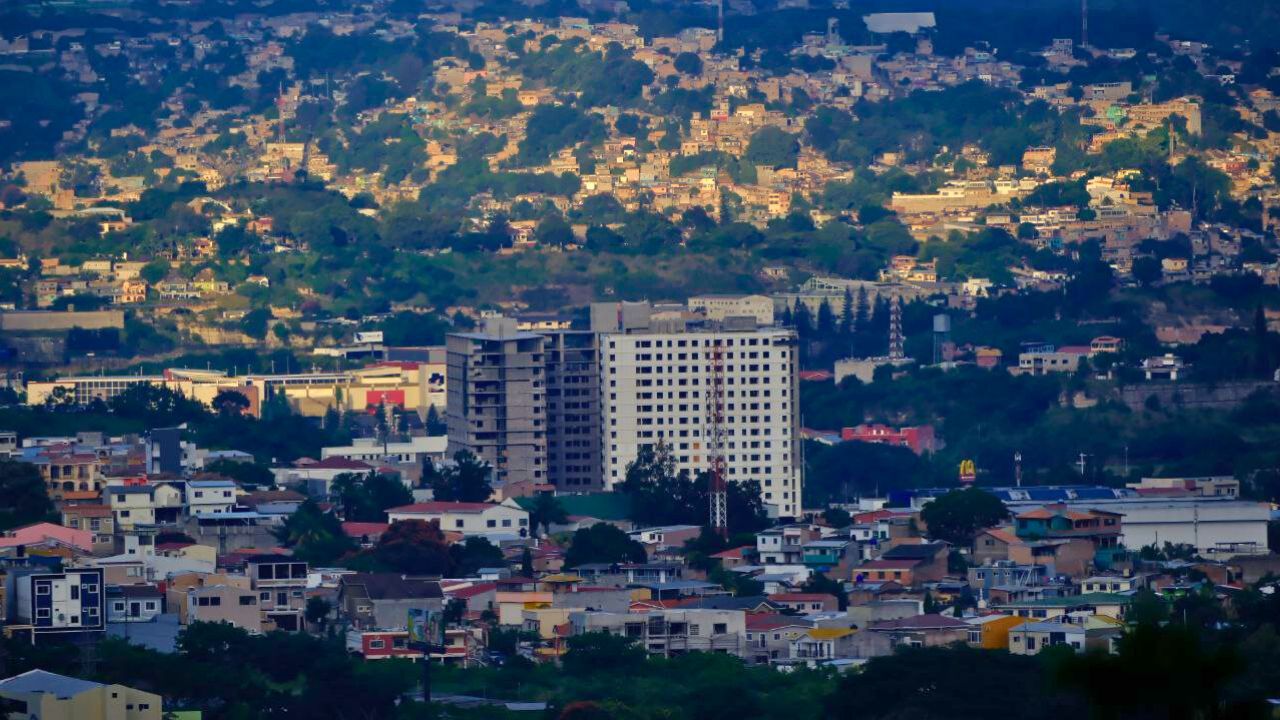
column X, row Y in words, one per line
column 497, row 401
column 573, row 410
column 655, row 374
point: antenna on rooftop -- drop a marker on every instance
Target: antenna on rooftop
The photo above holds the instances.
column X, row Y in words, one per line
column 1017, row 468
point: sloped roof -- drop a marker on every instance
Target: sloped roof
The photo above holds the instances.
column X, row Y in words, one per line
column 917, row 551
column 931, row 621
column 757, row 622
column 393, row 586
column 41, row 681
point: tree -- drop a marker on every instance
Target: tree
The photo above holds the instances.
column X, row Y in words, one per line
column 434, row 424
column 467, row 480
column 826, row 320
column 847, row 315
column 154, row 271
column 475, row 553
column 603, row 543
column 688, row 63
column 416, row 547
column 773, row 147
column 603, row 653
column 249, row 475
column 314, row 535
column 553, row 231
column 1146, row 270
column 837, row 517
column 957, row 516
column 318, row 609
column 24, row 498
column 544, row 512
column 230, row 402
column 821, row 584
column 366, row 498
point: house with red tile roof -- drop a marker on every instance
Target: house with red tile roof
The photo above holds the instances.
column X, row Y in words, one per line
column 769, row 636
column 364, row 533
column 47, row 534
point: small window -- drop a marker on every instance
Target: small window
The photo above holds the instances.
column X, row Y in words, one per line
column 248, row 600
column 377, row 644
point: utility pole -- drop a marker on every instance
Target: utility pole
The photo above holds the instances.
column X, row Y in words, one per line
column 1081, row 464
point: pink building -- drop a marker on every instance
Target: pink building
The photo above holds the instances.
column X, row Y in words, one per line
column 919, row 439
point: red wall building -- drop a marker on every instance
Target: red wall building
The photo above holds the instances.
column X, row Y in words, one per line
column 920, row 438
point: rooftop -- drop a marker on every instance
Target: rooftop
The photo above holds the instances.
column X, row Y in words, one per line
column 40, row 681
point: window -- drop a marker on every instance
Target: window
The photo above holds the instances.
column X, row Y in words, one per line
column 248, row 600
column 377, row 644
column 719, row 628
column 42, row 589
column 491, row 523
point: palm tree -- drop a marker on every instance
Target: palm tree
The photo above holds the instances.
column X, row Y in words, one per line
column 545, row 511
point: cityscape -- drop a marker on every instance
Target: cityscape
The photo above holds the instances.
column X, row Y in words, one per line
column 639, row 359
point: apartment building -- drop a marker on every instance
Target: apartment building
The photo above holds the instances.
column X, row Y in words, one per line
column 497, row 401
column 573, row 410
column 719, row 307
column 671, row 632
column 656, row 376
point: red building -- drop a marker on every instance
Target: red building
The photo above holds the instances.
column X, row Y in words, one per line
column 920, row 438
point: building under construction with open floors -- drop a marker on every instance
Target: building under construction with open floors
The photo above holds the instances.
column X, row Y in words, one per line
column 656, row 373
column 573, row 410
column 497, row 402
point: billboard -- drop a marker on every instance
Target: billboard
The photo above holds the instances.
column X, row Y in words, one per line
column 426, row 628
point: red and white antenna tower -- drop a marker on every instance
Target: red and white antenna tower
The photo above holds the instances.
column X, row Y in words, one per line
column 715, row 432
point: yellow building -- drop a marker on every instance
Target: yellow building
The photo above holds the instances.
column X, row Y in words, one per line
column 41, row 695
column 991, row 632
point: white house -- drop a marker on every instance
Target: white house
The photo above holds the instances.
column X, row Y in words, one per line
column 505, row 518
column 206, row 497
column 370, row 450
column 144, row 504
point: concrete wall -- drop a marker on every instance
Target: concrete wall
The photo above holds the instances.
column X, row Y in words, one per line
column 57, row 320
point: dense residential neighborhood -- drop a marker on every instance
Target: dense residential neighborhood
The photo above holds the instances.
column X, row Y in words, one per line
column 585, row 360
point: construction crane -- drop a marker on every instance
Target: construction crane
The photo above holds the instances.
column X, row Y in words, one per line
column 715, row 431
